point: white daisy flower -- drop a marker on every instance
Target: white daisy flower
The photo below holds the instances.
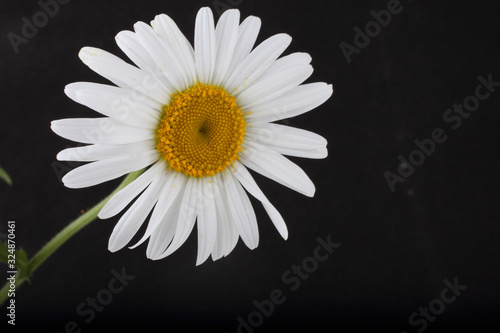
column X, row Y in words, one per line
column 196, row 118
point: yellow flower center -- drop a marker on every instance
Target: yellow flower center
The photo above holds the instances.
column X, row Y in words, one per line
column 201, row 131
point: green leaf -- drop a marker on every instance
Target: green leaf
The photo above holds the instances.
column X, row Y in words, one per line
column 21, row 259
column 5, row 176
column 22, row 264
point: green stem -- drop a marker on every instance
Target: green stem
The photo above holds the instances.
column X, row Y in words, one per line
column 63, row 236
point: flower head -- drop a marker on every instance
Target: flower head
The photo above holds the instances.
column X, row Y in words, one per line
column 196, row 118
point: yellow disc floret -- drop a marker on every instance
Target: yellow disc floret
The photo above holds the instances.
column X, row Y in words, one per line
column 201, row 131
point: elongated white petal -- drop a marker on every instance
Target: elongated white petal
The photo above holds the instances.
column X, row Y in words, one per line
column 226, row 34
column 257, row 62
column 241, row 211
column 296, row 102
column 317, row 153
column 164, row 57
column 205, row 45
column 274, row 86
column 247, row 35
column 206, row 220
column 180, row 46
column 121, row 199
column 227, row 233
column 173, row 187
column 101, row 171
column 131, row 221
column 101, row 131
column 251, row 186
column 232, row 232
column 126, row 76
column 164, row 233
column 288, row 140
column 100, row 152
column 275, row 166
column 186, row 219
column 234, row 236
column 222, row 240
column 119, row 104
column 114, row 102
column 282, row 76
column 131, row 45
column 284, row 63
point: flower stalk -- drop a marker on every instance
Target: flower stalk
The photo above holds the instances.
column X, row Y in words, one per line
column 58, row 240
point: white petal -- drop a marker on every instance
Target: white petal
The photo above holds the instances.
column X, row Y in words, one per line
column 101, row 171
column 101, row 131
column 226, row 36
column 249, row 184
column 241, row 211
column 165, row 59
column 234, row 236
column 288, row 140
column 206, row 220
column 247, row 35
column 164, row 233
column 114, row 102
column 205, row 45
column 223, row 224
column 186, row 219
column 173, row 186
column 123, row 197
column 288, row 71
column 296, row 102
column 131, row 45
column 275, row 166
column 257, row 62
column 283, row 63
column 126, row 76
column 227, row 234
column 172, row 36
column 100, row 152
column 271, row 87
column 317, row 153
column 134, row 217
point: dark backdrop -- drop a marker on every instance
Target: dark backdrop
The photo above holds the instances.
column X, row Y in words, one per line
column 397, row 248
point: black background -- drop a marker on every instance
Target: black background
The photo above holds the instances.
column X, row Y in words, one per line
column 396, row 248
